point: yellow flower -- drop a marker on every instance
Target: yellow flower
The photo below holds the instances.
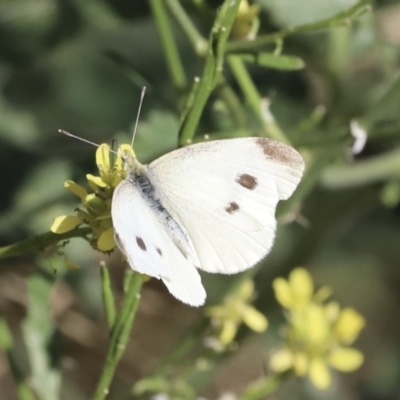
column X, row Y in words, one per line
column 96, row 207
column 235, row 310
column 246, row 22
column 298, row 291
column 316, row 334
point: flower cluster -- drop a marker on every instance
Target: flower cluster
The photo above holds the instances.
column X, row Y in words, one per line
column 96, row 206
column 318, row 333
column 235, row 310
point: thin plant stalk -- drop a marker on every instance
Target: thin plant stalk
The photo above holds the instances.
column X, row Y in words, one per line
column 120, row 334
column 168, row 43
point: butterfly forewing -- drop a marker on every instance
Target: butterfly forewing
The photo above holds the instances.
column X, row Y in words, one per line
column 224, row 193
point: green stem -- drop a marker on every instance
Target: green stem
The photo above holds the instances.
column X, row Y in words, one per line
column 379, row 168
column 188, row 103
column 193, row 35
column 120, row 334
column 212, row 69
column 108, row 297
column 262, row 41
column 253, row 98
column 168, row 43
column 204, row 9
column 40, row 242
column 233, row 104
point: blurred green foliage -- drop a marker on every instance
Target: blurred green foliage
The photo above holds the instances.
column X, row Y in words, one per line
column 79, row 65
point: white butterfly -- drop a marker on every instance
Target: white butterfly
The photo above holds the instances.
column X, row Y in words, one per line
column 209, row 206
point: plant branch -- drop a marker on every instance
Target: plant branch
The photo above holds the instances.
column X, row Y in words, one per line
column 197, row 41
column 374, row 169
column 262, row 41
column 168, row 43
column 40, row 242
column 212, row 69
column 254, row 100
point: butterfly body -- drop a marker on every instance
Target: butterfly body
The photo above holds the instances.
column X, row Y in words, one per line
column 209, row 206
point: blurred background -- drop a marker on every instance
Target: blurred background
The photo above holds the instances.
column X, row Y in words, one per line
column 80, row 66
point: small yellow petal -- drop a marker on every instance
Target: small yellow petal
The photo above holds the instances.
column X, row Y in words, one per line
column 95, row 204
column 317, row 324
column 322, row 294
column 76, row 189
column 65, row 223
column 71, row 265
column 281, row 361
column 348, row 326
column 283, row 292
column 212, row 310
column 228, row 332
column 346, row 360
column 254, row 319
column 300, row 363
column 246, row 289
column 106, row 240
column 319, row 374
column 332, row 311
column 103, row 158
column 96, row 180
column 301, row 284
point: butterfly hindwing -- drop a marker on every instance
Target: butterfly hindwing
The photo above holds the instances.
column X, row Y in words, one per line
column 149, row 249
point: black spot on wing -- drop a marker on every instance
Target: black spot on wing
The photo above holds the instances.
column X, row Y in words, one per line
column 232, row 207
column 141, row 243
column 247, row 181
column 159, row 251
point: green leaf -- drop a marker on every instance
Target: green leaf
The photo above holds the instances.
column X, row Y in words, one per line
column 38, row 329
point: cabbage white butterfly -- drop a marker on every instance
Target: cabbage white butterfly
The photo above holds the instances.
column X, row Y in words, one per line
column 209, row 206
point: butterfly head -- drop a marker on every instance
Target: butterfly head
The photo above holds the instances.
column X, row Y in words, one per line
column 129, row 162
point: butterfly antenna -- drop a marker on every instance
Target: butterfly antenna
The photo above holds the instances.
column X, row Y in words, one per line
column 77, row 137
column 82, row 139
column 138, row 114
